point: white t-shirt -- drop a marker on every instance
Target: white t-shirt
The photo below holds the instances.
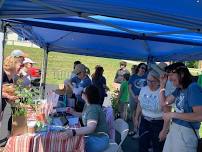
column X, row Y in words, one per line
column 149, row 103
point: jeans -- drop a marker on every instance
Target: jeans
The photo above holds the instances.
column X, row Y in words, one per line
column 96, row 143
column 149, row 134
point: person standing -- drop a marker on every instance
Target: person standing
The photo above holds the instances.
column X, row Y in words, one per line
column 149, row 115
column 187, row 113
column 136, row 82
column 119, row 75
column 11, row 68
column 100, row 82
column 123, row 96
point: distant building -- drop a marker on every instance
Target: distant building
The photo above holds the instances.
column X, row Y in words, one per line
column 14, row 39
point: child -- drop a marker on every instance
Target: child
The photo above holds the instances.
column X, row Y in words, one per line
column 123, row 96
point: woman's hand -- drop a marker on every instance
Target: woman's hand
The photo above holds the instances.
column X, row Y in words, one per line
column 163, row 80
column 162, row 135
column 11, row 99
column 67, row 133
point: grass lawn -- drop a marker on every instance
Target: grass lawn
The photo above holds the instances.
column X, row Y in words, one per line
column 60, row 64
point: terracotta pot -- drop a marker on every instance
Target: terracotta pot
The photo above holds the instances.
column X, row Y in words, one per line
column 19, row 125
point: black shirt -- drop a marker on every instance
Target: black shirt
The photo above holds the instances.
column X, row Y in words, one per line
column 5, row 80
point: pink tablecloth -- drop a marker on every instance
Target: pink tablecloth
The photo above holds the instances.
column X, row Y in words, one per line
column 46, row 142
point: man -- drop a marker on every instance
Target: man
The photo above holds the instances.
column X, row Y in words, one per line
column 119, row 75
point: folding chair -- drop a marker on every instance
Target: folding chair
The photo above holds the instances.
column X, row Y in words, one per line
column 122, row 128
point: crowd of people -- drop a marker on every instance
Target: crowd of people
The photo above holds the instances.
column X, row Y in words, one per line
column 149, row 92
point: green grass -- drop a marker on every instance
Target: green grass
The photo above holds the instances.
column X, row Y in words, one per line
column 62, row 64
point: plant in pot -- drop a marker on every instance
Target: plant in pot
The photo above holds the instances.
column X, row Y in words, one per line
column 115, row 103
column 22, row 105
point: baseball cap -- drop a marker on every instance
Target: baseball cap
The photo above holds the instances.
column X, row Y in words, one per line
column 18, row 53
column 28, row 60
column 79, row 68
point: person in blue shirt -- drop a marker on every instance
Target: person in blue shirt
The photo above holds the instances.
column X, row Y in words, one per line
column 136, row 82
column 79, row 83
column 187, row 113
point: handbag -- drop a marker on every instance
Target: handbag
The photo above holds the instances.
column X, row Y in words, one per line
column 199, row 145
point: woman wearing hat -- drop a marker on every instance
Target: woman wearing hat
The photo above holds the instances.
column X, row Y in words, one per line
column 150, row 115
column 188, row 106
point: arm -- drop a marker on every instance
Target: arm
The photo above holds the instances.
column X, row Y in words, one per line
column 195, row 116
column 90, row 128
column 130, row 90
column 165, row 101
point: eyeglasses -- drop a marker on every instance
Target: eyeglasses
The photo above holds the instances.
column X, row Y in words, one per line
column 151, row 81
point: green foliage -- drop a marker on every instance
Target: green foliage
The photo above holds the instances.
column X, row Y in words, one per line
column 26, row 98
column 192, row 64
column 115, row 102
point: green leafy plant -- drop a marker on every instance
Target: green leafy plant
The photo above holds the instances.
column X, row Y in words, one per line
column 27, row 97
column 115, row 102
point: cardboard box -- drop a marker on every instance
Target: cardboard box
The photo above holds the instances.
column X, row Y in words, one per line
column 19, row 125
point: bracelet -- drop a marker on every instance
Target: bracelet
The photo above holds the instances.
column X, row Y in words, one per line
column 73, row 132
column 161, row 90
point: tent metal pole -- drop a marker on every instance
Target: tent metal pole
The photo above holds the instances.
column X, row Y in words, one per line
column 44, row 72
column 2, row 45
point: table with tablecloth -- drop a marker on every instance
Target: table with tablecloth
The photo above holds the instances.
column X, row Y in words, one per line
column 45, row 142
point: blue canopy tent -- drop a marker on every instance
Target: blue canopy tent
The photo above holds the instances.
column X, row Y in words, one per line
column 132, row 29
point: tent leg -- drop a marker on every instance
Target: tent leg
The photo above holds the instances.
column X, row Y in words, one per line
column 43, row 74
column 2, row 44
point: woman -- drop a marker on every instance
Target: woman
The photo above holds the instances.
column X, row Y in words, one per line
column 152, row 128
column 136, row 82
column 95, row 126
column 188, row 106
column 11, row 68
column 100, row 82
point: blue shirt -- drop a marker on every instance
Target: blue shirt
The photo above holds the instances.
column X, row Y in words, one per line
column 137, row 83
column 81, row 84
column 185, row 100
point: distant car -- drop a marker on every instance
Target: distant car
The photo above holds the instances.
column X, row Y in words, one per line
column 35, row 74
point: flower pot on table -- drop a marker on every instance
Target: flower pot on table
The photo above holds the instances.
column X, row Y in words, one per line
column 19, row 125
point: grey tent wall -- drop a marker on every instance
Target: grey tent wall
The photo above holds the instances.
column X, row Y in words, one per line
column 2, row 43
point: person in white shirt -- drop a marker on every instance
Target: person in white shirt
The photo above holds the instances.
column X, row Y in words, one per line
column 149, row 112
column 28, row 63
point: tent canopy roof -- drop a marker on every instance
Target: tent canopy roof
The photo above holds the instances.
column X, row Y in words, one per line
column 132, row 29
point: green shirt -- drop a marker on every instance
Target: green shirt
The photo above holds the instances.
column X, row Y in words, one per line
column 95, row 112
column 124, row 93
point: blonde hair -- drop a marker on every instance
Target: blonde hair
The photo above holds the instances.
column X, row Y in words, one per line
column 10, row 62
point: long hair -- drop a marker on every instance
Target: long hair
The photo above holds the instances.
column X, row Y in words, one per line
column 138, row 67
column 98, row 72
column 184, row 76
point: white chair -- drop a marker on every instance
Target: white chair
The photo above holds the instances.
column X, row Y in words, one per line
column 122, row 128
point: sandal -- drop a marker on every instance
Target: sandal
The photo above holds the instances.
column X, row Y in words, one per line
column 131, row 133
